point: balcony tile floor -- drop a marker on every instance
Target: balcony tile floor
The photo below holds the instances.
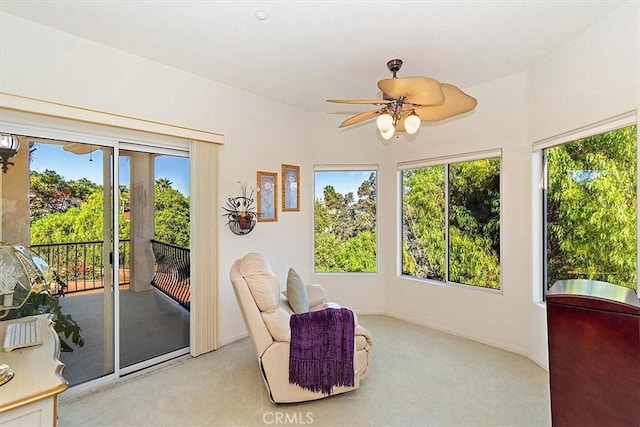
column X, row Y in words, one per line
column 151, row 324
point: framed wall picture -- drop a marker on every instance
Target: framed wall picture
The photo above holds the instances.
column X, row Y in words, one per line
column 290, row 188
column 267, row 196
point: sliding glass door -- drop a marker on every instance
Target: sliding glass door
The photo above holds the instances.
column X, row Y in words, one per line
column 71, row 226
column 124, row 296
column 154, row 305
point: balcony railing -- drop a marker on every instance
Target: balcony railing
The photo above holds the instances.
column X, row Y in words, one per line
column 80, row 266
column 173, row 272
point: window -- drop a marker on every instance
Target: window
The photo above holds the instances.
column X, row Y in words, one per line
column 345, row 220
column 451, row 221
column 590, row 207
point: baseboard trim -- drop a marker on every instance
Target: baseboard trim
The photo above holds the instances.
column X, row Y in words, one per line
column 233, row 339
column 512, row 349
column 482, row 340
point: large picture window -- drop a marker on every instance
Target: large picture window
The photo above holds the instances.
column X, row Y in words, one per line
column 590, row 209
column 451, row 222
column 345, row 221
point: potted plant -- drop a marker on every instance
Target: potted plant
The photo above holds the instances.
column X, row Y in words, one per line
column 241, row 214
column 44, row 302
column 26, row 281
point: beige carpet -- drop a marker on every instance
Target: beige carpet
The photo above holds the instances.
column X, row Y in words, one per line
column 419, row 377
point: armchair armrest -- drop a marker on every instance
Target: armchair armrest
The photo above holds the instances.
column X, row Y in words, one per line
column 363, row 332
column 317, row 297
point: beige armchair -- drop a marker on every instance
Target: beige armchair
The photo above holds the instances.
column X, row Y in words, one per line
column 266, row 312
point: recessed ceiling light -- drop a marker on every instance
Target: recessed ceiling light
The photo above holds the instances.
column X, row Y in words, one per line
column 261, row 15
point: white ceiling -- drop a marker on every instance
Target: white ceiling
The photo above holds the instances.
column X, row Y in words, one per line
column 310, row 51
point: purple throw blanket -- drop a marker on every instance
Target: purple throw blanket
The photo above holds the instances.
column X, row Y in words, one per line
column 321, row 349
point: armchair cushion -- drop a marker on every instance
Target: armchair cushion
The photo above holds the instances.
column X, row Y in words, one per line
column 277, row 322
column 262, row 283
column 317, row 296
column 297, row 293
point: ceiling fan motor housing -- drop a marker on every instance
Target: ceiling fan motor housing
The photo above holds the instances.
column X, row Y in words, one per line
column 394, row 66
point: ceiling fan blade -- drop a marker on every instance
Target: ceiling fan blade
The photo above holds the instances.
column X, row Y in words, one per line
column 77, row 148
column 417, row 90
column 456, row 102
column 360, row 101
column 359, row 118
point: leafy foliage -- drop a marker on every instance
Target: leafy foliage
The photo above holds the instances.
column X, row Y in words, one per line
column 592, row 208
column 171, row 221
column 591, row 215
column 423, row 223
column 345, row 229
column 83, row 223
column 51, row 193
column 65, row 325
column 472, row 225
column 82, row 220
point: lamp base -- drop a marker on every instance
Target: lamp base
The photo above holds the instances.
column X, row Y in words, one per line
column 5, row 374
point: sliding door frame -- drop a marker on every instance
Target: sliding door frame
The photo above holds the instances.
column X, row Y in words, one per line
column 204, row 205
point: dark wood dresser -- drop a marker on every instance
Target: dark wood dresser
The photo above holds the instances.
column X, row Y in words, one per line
column 594, row 354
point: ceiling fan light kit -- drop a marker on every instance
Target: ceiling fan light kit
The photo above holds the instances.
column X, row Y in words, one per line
column 409, row 101
column 384, row 122
column 412, row 123
column 388, row 134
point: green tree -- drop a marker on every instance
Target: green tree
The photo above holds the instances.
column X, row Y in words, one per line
column 345, row 229
column 357, row 253
column 326, row 246
column 50, row 193
column 423, row 219
column 592, row 209
column 76, row 224
column 364, row 210
column 172, row 224
column 473, row 224
column 84, row 222
column 323, row 221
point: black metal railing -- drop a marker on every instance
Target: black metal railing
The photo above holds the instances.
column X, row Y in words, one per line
column 173, row 272
column 80, row 265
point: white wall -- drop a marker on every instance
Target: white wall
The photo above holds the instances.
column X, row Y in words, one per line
column 357, row 145
column 500, row 319
column 259, row 134
column 590, row 79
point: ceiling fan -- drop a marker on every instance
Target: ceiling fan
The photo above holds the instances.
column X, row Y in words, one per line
column 408, row 101
column 78, row 148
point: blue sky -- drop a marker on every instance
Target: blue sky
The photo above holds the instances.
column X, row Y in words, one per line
column 342, row 181
column 176, row 169
column 74, row 166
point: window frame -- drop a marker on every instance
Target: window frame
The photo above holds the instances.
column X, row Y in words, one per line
column 368, row 167
column 540, row 171
column 446, row 161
